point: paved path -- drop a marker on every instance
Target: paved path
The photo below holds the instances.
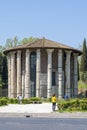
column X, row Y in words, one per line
column 37, row 110
column 27, row 108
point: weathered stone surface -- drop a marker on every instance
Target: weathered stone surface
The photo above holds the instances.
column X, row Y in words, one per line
column 52, row 58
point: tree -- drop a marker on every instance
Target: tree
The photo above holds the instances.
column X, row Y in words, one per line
column 11, row 42
column 4, row 72
column 28, row 40
column 83, row 64
column 1, row 60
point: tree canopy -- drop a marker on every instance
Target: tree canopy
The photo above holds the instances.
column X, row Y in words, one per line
column 3, row 59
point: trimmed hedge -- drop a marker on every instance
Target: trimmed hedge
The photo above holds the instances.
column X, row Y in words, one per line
column 35, row 99
column 3, row 101
column 72, row 105
column 12, row 100
column 25, row 100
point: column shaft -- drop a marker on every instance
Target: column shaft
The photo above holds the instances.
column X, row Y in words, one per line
column 75, row 75
column 38, row 74
column 23, row 75
column 27, row 75
column 13, row 76
column 60, row 76
column 9, row 75
column 19, row 78
column 68, row 91
column 49, row 71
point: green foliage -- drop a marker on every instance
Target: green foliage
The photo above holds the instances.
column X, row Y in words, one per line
column 28, row 40
column 3, row 101
column 35, row 99
column 46, row 99
column 12, row 100
column 73, row 105
column 32, row 100
column 83, row 64
column 1, row 60
column 26, row 101
column 82, row 85
column 11, row 43
column 3, row 70
column 83, row 76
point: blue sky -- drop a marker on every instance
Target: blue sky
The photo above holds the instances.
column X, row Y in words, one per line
column 63, row 21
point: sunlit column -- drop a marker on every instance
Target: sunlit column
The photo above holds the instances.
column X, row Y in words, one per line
column 75, row 75
column 68, row 91
column 60, row 76
column 9, row 74
column 49, row 73
column 38, row 73
column 19, row 78
column 27, row 74
column 13, row 76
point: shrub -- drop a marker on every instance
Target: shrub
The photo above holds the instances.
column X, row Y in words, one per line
column 26, row 101
column 35, row 99
column 3, row 102
column 46, row 99
column 73, row 105
column 13, row 100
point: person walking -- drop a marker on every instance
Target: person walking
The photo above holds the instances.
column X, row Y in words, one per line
column 53, row 102
column 20, row 99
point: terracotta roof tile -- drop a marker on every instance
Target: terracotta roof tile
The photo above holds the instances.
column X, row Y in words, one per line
column 43, row 43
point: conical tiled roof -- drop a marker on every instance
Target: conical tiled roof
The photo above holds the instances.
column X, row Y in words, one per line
column 43, row 43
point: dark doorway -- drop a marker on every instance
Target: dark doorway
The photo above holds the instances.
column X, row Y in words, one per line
column 33, row 73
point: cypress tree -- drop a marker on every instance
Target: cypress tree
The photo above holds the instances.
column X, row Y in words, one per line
column 83, row 64
column 4, row 72
column 1, row 60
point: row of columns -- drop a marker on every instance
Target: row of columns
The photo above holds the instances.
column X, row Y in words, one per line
column 23, row 78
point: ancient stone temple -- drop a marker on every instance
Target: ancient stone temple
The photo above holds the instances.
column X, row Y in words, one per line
column 41, row 68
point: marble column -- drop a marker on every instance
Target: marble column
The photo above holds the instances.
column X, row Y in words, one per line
column 19, row 78
column 9, row 74
column 38, row 74
column 13, row 76
column 60, row 74
column 67, row 73
column 49, row 73
column 75, row 75
column 27, row 74
column 23, row 74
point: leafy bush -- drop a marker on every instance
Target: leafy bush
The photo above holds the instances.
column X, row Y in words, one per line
column 26, row 101
column 35, row 99
column 4, row 98
column 3, row 102
column 13, row 100
column 46, row 99
column 73, row 105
